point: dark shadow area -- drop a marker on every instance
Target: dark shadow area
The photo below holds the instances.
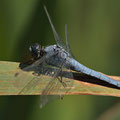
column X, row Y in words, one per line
column 93, row 80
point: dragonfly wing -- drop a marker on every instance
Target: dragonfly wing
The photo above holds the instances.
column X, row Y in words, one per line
column 56, row 88
column 51, row 89
column 67, row 42
column 33, row 81
column 58, row 40
column 23, row 77
column 30, row 86
column 49, row 92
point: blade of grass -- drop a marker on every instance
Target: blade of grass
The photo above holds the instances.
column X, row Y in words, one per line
column 84, row 85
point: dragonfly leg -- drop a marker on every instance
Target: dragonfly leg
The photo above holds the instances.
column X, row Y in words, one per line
column 60, row 79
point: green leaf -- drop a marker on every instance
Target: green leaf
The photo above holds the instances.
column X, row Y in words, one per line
column 82, row 83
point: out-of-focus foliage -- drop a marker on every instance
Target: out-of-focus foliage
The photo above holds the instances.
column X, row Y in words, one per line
column 94, row 33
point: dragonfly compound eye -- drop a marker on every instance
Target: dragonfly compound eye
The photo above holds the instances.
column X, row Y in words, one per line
column 35, row 50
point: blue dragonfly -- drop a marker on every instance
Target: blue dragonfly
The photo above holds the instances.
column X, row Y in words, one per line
column 52, row 60
column 71, row 62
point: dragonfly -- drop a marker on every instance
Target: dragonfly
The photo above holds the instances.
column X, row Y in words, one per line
column 52, row 60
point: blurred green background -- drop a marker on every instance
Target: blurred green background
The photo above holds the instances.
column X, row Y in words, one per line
column 94, row 33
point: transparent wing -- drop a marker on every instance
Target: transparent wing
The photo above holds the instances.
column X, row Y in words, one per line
column 57, row 87
column 36, row 81
column 22, row 78
column 30, row 86
column 51, row 89
column 59, row 41
column 67, row 42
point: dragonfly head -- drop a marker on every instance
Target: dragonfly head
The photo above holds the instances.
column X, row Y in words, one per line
column 36, row 50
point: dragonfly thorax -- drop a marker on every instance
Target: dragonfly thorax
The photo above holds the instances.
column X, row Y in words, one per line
column 59, row 55
column 57, row 51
